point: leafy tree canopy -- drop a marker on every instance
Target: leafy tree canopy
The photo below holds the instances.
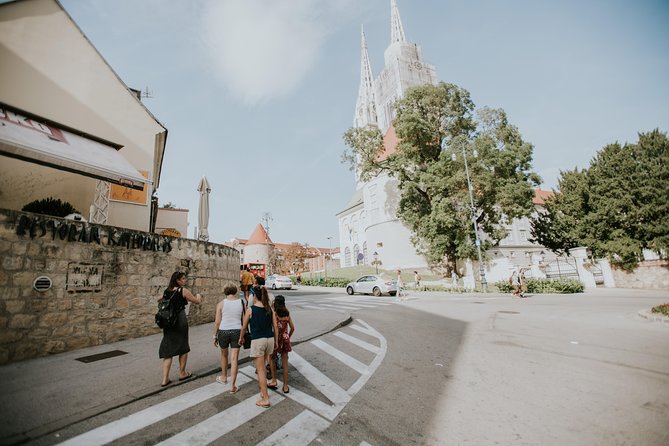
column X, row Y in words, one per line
column 616, row 207
column 436, row 125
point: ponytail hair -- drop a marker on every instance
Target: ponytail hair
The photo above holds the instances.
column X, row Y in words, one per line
column 264, row 297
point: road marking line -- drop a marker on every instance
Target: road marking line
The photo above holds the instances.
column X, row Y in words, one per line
column 355, row 388
column 323, row 409
column 340, row 355
column 220, row 424
column 351, row 302
column 339, row 306
column 139, row 420
column 367, row 346
column 362, row 330
column 301, row 430
column 325, row 385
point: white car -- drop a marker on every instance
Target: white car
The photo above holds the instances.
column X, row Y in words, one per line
column 276, row 282
column 375, row 285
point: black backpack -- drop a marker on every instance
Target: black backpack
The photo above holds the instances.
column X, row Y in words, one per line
column 168, row 313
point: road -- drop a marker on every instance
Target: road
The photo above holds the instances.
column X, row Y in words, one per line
column 436, row 369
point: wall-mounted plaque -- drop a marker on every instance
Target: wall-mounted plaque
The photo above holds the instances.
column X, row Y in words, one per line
column 84, row 277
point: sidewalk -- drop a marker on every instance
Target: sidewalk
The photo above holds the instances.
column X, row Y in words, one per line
column 42, row 395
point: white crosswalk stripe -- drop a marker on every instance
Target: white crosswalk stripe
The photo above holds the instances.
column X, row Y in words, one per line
column 301, row 429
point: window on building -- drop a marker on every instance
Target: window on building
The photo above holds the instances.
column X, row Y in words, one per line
column 523, row 235
column 347, row 256
column 356, row 251
column 364, row 252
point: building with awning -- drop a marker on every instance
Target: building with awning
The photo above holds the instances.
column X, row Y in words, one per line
column 69, row 126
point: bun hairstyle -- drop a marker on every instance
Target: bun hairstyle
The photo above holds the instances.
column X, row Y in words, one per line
column 280, row 306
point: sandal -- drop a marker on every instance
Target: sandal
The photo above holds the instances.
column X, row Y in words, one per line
column 286, row 389
column 219, row 379
column 190, row 375
column 234, row 390
column 166, row 384
column 260, row 403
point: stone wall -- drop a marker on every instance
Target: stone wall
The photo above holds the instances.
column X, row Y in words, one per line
column 650, row 274
column 105, row 282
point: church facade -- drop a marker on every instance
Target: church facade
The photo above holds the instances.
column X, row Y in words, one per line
column 368, row 226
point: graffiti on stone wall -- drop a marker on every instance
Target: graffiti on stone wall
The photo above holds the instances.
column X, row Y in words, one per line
column 81, row 232
column 84, row 277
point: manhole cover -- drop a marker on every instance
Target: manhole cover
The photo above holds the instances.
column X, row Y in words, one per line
column 100, row 356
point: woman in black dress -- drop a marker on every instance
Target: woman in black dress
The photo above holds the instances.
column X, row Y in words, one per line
column 175, row 339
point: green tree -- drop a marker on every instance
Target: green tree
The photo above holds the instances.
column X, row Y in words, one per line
column 616, row 207
column 435, row 124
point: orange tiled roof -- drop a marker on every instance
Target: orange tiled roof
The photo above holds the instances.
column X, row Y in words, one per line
column 390, row 142
column 259, row 237
column 540, row 196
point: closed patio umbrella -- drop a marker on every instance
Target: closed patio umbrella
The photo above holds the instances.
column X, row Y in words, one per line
column 203, row 210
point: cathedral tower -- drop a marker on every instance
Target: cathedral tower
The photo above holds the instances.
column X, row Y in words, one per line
column 369, row 222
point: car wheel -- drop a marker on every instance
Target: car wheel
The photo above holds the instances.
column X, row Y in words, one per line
column 376, row 291
column 392, row 293
column 349, row 290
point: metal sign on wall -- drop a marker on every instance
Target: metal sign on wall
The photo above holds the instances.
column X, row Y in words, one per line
column 84, row 277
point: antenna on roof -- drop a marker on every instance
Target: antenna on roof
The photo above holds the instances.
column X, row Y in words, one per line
column 266, row 218
column 146, row 93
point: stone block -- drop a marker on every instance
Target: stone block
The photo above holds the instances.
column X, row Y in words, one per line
column 9, row 292
column 63, row 331
column 22, row 321
column 12, row 263
column 53, row 319
column 15, row 306
column 52, row 346
column 5, row 246
column 10, row 336
column 34, row 249
column 4, row 278
column 19, row 248
column 27, row 350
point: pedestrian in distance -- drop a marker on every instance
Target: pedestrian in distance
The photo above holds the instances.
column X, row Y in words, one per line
column 175, row 339
column 262, row 321
column 286, row 329
column 514, row 280
column 227, row 327
column 401, row 294
column 246, row 280
column 416, row 278
column 299, row 279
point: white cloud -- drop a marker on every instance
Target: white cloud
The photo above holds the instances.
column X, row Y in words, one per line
column 262, row 49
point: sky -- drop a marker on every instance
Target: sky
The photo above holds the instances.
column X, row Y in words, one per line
column 256, row 94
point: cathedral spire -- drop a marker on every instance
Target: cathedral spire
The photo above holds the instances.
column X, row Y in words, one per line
column 396, row 29
column 365, row 109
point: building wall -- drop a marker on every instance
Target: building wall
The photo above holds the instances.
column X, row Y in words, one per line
column 650, row 274
column 50, row 69
column 101, row 292
column 172, row 219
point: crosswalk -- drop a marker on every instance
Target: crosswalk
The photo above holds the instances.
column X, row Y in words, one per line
column 317, row 395
column 340, row 303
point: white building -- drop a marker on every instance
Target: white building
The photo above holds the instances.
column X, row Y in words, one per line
column 368, row 223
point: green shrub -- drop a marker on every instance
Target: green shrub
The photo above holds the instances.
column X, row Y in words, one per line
column 329, row 282
column 539, row 286
column 662, row 309
column 50, row 206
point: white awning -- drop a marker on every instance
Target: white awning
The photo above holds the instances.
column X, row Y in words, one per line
column 40, row 141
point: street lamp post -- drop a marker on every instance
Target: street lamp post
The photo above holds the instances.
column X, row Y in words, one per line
column 472, row 216
column 326, row 258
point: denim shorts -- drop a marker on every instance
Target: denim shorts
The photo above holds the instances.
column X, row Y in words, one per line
column 228, row 338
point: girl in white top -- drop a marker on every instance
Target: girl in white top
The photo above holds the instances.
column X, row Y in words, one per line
column 227, row 327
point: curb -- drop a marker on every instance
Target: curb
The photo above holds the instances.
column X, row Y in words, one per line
column 655, row 317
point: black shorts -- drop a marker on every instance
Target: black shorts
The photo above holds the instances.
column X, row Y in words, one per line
column 228, row 338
